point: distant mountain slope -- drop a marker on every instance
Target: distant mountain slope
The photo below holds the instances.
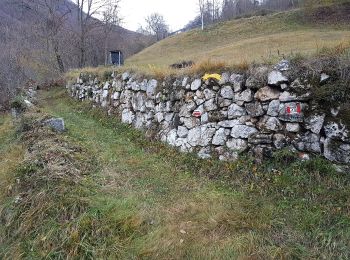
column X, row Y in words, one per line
column 254, row 39
column 128, row 41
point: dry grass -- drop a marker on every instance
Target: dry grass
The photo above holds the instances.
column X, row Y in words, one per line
column 11, row 153
column 256, row 39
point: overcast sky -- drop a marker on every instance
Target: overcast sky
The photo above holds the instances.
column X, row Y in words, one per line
column 177, row 13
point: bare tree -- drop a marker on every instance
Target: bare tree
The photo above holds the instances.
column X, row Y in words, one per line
column 86, row 10
column 51, row 17
column 157, row 26
column 110, row 19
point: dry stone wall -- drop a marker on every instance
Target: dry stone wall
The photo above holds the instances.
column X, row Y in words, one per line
column 259, row 112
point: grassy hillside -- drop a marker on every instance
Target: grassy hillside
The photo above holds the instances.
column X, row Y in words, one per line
column 263, row 38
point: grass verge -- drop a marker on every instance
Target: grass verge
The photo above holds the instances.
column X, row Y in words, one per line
column 135, row 198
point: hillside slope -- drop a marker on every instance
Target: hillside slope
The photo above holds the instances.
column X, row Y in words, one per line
column 254, row 39
column 13, row 15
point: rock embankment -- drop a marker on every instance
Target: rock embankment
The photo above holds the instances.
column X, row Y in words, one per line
column 263, row 110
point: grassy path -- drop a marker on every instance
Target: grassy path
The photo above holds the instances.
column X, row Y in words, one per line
column 162, row 205
column 187, row 217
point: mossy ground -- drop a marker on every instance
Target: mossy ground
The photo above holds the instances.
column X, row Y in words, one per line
column 139, row 199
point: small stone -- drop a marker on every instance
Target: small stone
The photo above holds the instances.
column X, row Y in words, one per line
column 315, row 122
column 151, row 88
column 196, row 84
column 337, row 151
column 288, row 97
column 225, row 77
column 239, row 145
column 324, row 77
column 227, row 92
column 276, row 78
column 125, row 76
column 293, row 127
column 336, row 131
column 182, row 132
column 259, row 138
column 171, row 138
column 273, row 109
column 190, row 122
column 242, row 131
column 229, row 123
column 210, row 105
column 309, row 142
column 237, row 81
column 235, row 111
column 255, row 109
column 219, row 137
column 185, row 82
column 57, row 124
column 267, row 94
column 280, row 141
column 245, row 96
column 283, row 65
column 209, row 94
column 203, row 153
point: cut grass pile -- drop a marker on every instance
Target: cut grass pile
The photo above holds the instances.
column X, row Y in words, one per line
column 123, row 196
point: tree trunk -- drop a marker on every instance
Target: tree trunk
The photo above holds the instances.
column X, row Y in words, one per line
column 106, row 50
column 202, row 22
column 58, row 58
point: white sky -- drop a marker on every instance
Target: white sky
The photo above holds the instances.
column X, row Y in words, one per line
column 177, row 13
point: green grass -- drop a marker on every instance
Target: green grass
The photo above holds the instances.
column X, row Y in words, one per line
column 256, row 39
column 142, row 199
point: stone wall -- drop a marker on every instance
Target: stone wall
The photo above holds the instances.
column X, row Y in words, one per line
column 261, row 111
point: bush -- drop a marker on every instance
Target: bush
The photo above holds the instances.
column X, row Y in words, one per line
column 18, row 103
